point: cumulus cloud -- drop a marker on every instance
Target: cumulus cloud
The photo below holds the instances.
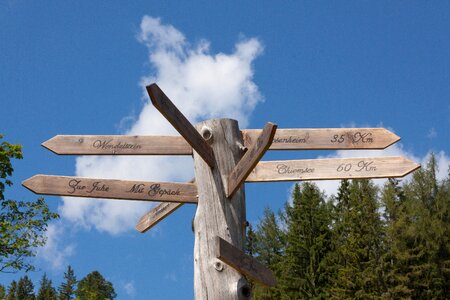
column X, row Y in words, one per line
column 130, row 288
column 202, row 85
column 53, row 252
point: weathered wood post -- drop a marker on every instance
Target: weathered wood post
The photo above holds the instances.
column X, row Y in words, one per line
column 218, row 215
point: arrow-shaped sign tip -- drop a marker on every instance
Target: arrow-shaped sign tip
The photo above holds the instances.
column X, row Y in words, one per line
column 50, row 144
column 410, row 166
column 33, row 183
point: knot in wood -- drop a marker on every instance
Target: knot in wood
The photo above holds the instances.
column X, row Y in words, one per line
column 218, row 266
column 207, row 134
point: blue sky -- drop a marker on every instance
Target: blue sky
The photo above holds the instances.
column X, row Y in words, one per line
column 79, row 68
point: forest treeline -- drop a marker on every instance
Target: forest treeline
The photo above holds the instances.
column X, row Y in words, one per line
column 364, row 243
column 91, row 287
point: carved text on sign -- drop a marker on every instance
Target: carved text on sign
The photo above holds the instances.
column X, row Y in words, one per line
column 285, row 169
column 354, row 138
column 292, row 139
column 108, row 145
column 76, row 185
column 154, row 190
column 361, row 166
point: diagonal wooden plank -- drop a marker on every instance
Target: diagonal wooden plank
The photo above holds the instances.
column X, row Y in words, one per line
column 112, row 189
column 181, row 124
column 156, row 215
column 250, row 159
column 118, row 145
column 332, row 168
column 244, row 263
column 326, row 138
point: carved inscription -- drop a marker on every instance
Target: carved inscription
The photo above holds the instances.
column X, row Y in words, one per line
column 153, row 190
column 354, row 138
column 292, row 139
column 361, row 166
column 108, row 145
column 76, row 185
column 285, row 169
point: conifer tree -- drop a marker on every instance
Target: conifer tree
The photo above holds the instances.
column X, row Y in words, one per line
column 25, row 289
column 95, row 287
column 67, row 287
column 308, row 242
column 46, row 290
column 2, row 292
column 12, row 291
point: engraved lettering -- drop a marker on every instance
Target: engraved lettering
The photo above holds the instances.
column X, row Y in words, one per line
column 364, row 138
column 285, row 169
column 75, row 185
column 108, row 145
column 292, row 139
column 137, row 188
column 155, row 189
column 366, row 166
column 99, row 188
column 161, row 209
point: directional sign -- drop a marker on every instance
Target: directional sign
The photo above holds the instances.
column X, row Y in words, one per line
column 332, row 168
column 326, row 138
column 181, row 124
column 250, row 158
column 244, row 263
column 157, row 214
column 118, row 145
column 112, row 189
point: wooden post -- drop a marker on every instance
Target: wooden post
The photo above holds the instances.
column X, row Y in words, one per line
column 217, row 215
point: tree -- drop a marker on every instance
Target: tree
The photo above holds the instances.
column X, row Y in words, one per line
column 67, row 288
column 46, row 290
column 95, row 287
column 22, row 224
column 25, row 289
column 12, row 291
column 308, row 241
column 2, row 292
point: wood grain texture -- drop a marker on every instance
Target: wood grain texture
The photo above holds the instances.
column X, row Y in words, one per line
column 254, row 153
column 244, row 263
column 180, row 123
column 156, row 215
column 112, row 189
column 332, row 168
column 216, row 215
column 117, row 145
column 326, row 138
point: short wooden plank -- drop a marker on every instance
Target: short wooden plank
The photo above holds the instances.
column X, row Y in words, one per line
column 326, row 138
column 112, row 189
column 181, row 124
column 332, row 168
column 250, row 158
column 244, row 263
column 156, row 215
column 117, row 145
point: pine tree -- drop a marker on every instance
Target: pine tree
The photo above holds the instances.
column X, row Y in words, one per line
column 358, row 235
column 12, row 291
column 2, row 292
column 308, row 241
column 269, row 247
column 95, row 287
column 25, row 289
column 46, row 290
column 67, row 287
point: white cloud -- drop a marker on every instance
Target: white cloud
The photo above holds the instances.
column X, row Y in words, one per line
column 432, row 133
column 202, row 85
column 52, row 252
column 130, row 288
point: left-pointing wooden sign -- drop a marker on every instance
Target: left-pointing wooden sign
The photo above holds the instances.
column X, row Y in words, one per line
column 112, row 189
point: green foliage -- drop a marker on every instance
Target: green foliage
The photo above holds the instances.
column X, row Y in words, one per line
column 95, row 287
column 46, row 290
column 2, row 292
column 12, row 291
column 25, row 289
column 22, row 224
column 67, row 287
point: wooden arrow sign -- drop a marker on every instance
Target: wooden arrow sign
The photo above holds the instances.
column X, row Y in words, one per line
column 157, row 214
column 112, row 189
column 250, row 158
column 244, row 263
column 181, row 124
column 118, row 145
column 326, row 138
column 332, row 168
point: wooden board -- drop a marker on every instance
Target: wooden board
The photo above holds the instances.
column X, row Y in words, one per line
column 181, row 124
column 332, row 168
column 156, row 215
column 112, row 189
column 117, row 145
column 244, row 263
column 326, row 138
column 250, row 158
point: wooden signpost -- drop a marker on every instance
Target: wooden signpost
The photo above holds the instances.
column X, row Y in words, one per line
column 224, row 158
